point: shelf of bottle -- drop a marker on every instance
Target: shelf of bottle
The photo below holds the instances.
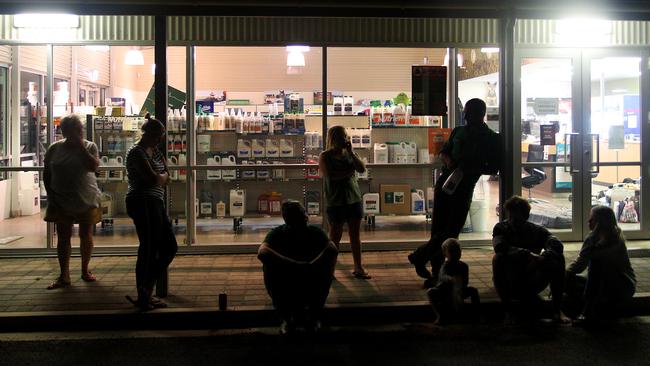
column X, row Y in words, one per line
column 434, row 165
column 404, row 126
column 233, row 132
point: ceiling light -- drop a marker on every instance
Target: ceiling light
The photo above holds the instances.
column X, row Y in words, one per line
column 295, row 58
column 93, row 75
column 34, row 20
column 490, row 50
column 99, row 48
column 583, row 31
column 134, row 57
column 459, row 60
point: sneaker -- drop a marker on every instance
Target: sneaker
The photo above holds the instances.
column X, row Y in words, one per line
column 287, row 327
column 420, row 268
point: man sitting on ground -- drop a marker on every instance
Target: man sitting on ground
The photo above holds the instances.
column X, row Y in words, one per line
column 298, row 262
column 527, row 258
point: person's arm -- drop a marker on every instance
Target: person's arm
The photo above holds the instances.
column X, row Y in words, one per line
column 143, row 167
column 269, row 256
column 357, row 163
column 465, row 274
column 88, row 155
column 582, row 262
column 327, row 255
column 47, row 175
column 502, row 242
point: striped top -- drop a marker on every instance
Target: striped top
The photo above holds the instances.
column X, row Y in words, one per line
column 138, row 185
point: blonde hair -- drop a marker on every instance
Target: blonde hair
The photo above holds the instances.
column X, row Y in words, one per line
column 451, row 249
column 336, row 137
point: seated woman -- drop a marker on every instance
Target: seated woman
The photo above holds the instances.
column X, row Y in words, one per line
column 610, row 279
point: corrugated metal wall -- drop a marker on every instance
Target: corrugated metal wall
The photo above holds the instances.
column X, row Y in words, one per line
column 33, row 58
column 5, row 54
column 338, row 31
column 536, row 32
column 62, row 62
column 88, row 60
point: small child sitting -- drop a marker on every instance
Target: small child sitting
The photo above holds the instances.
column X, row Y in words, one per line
column 448, row 295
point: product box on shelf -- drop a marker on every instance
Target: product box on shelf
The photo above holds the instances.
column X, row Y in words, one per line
column 312, row 202
column 395, row 199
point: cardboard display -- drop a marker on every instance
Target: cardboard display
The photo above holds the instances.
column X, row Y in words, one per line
column 395, row 199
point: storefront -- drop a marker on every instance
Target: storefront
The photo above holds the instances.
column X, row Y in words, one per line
column 252, row 131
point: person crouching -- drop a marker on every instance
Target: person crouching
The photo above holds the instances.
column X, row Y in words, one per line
column 298, row 263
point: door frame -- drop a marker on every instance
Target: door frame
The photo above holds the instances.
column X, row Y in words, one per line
column 587, row 55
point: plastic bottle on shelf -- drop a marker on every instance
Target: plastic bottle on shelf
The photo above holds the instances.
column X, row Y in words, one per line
column 272, row 148
column 246, row 124
column 214, row 174
column 366, row 140
column 182, row 173
column 387, row 115
column 110, row 144
column 183, row 119
column 376, row 113
column 411, row 152
column 211, row 122
column 221, row 209
column 243, row 148
column 265, row 124
column 205, row 205
column 183, row 143
column 239, row 123
column 119, row 143
column 380, row 153
column 275, row 203
column 286, row 148
column 399, row 115
column 227, row 120
column 413, row 120
column 258, row 149
column 371, row 203
column 263, row 203
column 237, row 202
column 173, row 173
column 417, row 201
column 430, row 200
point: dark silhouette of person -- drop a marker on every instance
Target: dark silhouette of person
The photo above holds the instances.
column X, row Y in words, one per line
column 448, row 295
column 469, row 149
column 610, row 280
column 148, row 174
column 298, row 263
column 527, row 259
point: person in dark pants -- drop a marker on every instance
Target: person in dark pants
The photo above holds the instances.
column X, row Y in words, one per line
column 610, row 280
column 527, row 259
column 148, row 175
column 472, row 150
column 298, row 262
column 448, row 296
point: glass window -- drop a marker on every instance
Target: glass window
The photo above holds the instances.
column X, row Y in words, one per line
column 370, row 92
column 258, row 107
column 478, row 76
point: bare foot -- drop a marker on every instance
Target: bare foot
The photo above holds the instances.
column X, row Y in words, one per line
column 560, row 318
column 88, row 277
column 58, row 283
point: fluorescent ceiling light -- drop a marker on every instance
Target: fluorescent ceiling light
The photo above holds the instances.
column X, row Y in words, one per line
column 297, row 48
column 93, row 75
column 490, row 50
column 134, row 58
column 295, row 58
column 583, row 31
column 619, row 90
column 459, row 60
column 100, row 48
column 34, row 20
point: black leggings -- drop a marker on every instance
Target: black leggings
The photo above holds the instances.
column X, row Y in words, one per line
column 157, row 241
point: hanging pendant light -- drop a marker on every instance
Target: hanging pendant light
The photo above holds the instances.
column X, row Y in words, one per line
column 134, row 57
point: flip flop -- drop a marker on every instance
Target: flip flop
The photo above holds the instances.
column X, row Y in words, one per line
column 88, row 277
column 361, row 275
column 58, row 283
column 157, row 303
column 139, row 304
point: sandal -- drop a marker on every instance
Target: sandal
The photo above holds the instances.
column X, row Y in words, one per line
column 58, row 283
column 157, row 303
column 88, row 277
column 362, row 275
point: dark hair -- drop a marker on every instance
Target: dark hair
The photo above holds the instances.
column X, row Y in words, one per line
column 475, row 110
column 451, row 249
column 606, row 225
column 152, row 126
column 336, row 137
column 68, row 123
column 294, row 213
column 518, row 204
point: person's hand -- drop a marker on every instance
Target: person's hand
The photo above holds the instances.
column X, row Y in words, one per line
column 348, row 146
column 75, row 142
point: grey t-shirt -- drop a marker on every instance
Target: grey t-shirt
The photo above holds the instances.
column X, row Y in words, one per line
column 72, row 187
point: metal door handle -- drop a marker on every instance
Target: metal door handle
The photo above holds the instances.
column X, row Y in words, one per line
column 568, row 144
column 597, row 170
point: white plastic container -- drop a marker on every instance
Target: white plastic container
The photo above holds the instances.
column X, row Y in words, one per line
column 411, row 152
column 417, row 202
column 243, row 148
column 173, row 173
column 203, row 143
column 237, row 202
column 228, row 174
column 380, row 153
column 182, row 173
column 423, row 156
column 117, row 174
column 258, row 149
column 272, row 148
column 286, row 148
column 363, row 175
column 366, row 139
column 221, row 209
column 338, row 105
column 214, row 174
column 371, row 203
column 399, row 115
column 401, row 153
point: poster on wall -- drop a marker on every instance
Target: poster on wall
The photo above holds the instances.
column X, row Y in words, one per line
column 545, row 106
column 429, row 88
column 616, row 137
column 547, row 134
column 437, row 138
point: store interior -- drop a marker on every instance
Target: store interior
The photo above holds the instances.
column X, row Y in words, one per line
column 266, row 87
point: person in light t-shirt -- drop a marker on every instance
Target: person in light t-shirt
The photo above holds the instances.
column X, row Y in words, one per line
column 72, row 195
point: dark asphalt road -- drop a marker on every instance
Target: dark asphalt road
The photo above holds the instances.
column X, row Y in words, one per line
column 626, row 342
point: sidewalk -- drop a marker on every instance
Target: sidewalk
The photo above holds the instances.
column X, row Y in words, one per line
column 196, row 281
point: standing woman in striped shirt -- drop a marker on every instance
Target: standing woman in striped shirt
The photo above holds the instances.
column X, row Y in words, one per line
column 147, row 173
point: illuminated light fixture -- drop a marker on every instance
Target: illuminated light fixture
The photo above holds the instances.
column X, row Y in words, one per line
column 153, row 69
column 618, row 91
column 459, row 60
column 296, row 59
column 583, row 31
column 34, row 20
column 93, row 75
column 134, row 57
column 490, row 50
column 99, row 48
